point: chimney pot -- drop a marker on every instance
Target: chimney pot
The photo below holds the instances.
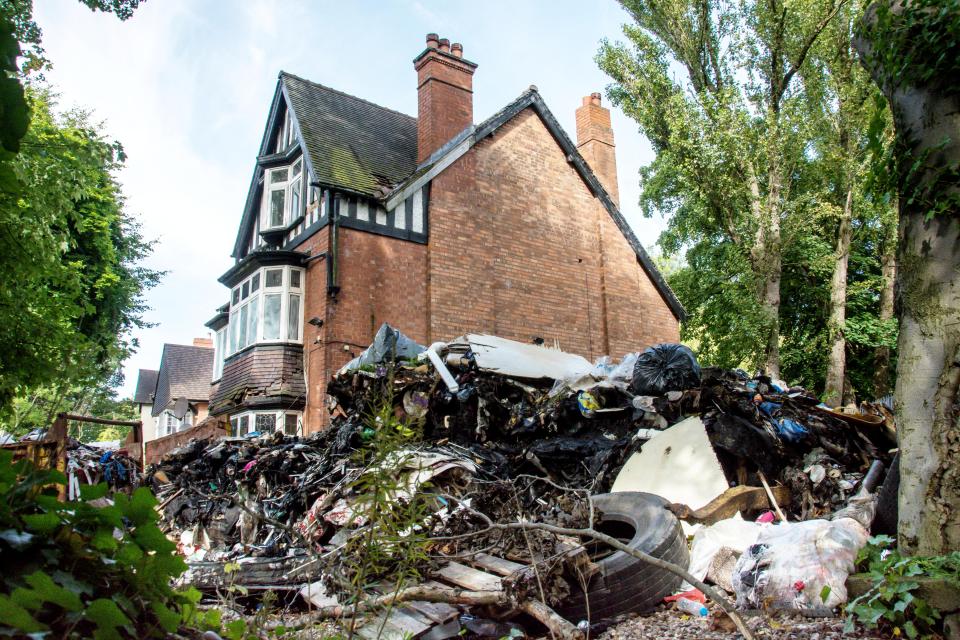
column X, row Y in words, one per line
column 457, row 49
column 444, row 44
column 433, row 40
column 595, row 98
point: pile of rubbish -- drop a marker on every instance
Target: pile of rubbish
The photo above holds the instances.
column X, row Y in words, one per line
column 496, row 431
column 91, row 464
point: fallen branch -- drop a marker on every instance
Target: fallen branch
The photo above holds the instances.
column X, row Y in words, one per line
column 422, row 593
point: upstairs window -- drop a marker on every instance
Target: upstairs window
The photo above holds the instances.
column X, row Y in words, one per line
column 265, row 422
column 285, row 135
column 282, row 196
column 266, row 307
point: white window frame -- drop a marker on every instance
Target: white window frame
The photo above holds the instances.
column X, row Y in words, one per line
column 248, row 302
column 291, row 187
column 170, row 424
column 219, row 351
column 285, row 135
column 279, row 417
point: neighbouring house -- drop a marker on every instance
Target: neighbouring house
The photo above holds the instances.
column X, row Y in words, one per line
column 180, row 392
column 358, row 215
column 143, row 398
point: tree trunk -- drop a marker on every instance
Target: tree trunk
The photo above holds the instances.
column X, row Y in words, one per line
column 836, row 365
column 770, row 265
column 888, row 269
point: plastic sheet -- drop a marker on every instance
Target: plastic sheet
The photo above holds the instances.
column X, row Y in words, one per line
column 665, row 367
column 388, row 345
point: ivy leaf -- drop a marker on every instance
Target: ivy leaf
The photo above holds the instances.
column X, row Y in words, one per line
column 47, row 589
column 103, row 540
column 825, row 593
column 108, row 617
column 42, row 522
column 910, row 629
column 17, row 617
column 169, row 619
column 140, row 509
column 93, row 491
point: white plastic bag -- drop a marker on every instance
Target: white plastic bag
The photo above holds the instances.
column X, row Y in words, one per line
column 791, row 563
column 735, row 533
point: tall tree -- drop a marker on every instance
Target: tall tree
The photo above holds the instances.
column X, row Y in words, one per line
column 730, row 135
column 912, row 50
column 73, row 287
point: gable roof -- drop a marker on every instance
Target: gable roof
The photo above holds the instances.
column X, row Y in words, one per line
column 349, row 142
column 465, row 140
column 146, row 386
column 185, row 372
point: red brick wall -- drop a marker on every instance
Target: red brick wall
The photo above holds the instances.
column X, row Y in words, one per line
column 156, row 449
column 381, row 280
column 519, row 247
column 595, row 143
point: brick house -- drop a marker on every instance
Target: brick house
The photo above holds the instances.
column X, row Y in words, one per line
column 358, row 215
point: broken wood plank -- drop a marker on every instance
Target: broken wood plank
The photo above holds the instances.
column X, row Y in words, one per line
column 469, row 578
column 493, row 564
column 728, row 503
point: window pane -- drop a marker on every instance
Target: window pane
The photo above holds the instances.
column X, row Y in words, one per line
column 236, row 295
column 293, row 318
column 233, row 332
column 243, row 425
column 290, row 424
column 276, row 207
column 274, row 278
column 294, row 279
column 296, row 168
column 295, row 200
column 271, row 316
column 242, row 335
column 245, row 291
column 254, row 282
column 278, row 175
column 266, row 422
column 254, row 320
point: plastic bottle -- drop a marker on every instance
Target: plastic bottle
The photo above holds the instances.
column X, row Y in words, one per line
column 693, row 608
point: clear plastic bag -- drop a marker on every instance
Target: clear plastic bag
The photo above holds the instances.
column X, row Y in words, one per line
column 799, row 565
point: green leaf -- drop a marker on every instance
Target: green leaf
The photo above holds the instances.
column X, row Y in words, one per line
column 17, row 617
column 150, row 538
column 93, row 491
column 108, row 618
column 47, row 589
column 236, row 629
column 103, row 540
column 140, row 509
column 42, row 522
column 825, row 593
column 169, row 619
column 910, row 629
column 129, row 553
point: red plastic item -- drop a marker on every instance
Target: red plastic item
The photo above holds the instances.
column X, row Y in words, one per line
column 693, row 594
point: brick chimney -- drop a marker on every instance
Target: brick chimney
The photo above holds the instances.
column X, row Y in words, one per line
column 595, row 142
column 206, row 343
column 444, row 94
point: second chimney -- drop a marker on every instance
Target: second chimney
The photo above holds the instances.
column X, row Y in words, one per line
column 444, row 94
column 595, row 142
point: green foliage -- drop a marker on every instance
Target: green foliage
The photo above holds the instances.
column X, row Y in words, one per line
column 740, row 138
column 77, row 570
column 892, row 603
column 72, row 289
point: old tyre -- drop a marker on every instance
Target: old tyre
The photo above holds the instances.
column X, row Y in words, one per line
column 887, row 513
column 623, row 583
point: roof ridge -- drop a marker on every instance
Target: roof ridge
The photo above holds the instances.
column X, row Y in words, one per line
column 345, row 94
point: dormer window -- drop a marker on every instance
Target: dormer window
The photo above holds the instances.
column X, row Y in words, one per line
column 285, row 135
column 282, row 195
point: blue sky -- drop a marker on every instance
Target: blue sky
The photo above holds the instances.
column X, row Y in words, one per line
column 186, row 85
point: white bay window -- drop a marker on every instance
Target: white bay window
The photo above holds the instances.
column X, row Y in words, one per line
column 266, row 307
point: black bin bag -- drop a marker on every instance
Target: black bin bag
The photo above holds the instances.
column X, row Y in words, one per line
column 665, row 367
